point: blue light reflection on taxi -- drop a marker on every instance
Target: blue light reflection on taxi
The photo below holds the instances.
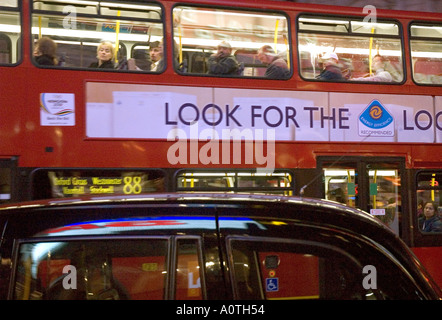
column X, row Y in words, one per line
column 115, row 226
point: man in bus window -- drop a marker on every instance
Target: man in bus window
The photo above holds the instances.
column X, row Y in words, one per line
column 380, row 75
column 156, row 56
column 331, row 69
column 277, row 67
column 223, row 62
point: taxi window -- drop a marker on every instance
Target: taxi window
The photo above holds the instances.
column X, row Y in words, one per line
column 289, row 273
column 92, row 270
column 426, row 53
column 222, row 42
column 288, row 269
column 10, row 33
column 96, row 34
column 342, row 49
column 188, row 271
column 109, row 269
column 429, row 202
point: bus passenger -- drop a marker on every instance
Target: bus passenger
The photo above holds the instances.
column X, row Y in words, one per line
column 141, row 59
column 223, row 62
column 277, row 68
column 331, row 69
column 430, row 222
column 45, row 52
column 105, row 56
column 380, row 75
column 156, row 56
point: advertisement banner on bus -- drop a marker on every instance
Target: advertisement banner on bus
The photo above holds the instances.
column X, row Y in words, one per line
column 189, row 113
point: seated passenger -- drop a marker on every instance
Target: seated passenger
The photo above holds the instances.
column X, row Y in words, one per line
column 223, row 62
column 156, row 56
column 277, row 68
column 45, row 52
column 430, row 222
column 331, row 69
column 105, row 56
column 380, row 75
column 142, row 60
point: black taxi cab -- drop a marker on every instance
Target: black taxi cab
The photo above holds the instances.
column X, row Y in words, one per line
column 203, row 246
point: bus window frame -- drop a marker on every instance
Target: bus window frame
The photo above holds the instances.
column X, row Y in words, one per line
column 245, row 10
column 421, row 38
column 425, row 238
column 350, row 18
column 19, row 10
column 93, row 17
column 236, row 188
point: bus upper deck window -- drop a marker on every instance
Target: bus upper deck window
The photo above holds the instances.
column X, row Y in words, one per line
column 79, row 29
column 221, row 42
column 9, row 32
column 340, row 49
column 426, row 53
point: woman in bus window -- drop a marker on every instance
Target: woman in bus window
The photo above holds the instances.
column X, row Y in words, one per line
column 430, row 222
column 105, row 56
column 45, row 52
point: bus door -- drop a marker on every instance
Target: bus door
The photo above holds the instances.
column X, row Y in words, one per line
column 6, row 176
column 371, row 184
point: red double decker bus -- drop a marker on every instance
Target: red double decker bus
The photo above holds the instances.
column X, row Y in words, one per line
column 342, row 103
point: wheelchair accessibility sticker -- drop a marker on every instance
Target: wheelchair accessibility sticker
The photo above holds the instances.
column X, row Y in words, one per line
column 272, row 284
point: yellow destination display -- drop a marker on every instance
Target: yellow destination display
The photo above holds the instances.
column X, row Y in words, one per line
column 69, row 186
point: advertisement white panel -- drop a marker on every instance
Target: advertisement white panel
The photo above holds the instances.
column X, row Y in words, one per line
column 165, row 112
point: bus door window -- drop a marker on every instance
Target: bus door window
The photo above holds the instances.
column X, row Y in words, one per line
column 385, row 199
column 8, row 191
column 354, row 42
column 341, row 185
column 426, row 53
column 78, row 29
column 5, row 184
column 371, row 185
column 10, row 48
column 429, row 190
column 198, row 31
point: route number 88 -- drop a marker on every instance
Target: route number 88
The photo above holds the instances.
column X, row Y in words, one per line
column 132, row 185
